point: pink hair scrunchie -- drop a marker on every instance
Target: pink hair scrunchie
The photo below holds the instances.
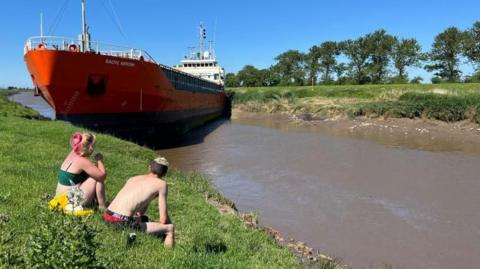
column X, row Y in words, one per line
column 76, row 142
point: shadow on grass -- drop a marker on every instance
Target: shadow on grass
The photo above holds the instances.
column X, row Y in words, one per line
column 211, row 247
column 36, row 117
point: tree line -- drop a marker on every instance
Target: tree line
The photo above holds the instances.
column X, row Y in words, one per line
column 374, row 58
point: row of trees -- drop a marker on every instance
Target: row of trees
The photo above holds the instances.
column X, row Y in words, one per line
column 375, row 58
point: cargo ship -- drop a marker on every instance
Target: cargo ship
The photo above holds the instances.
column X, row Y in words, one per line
column 124, row 90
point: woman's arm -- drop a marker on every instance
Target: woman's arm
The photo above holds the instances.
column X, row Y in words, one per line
column 97, row 173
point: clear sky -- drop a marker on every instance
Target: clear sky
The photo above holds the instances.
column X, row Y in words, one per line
column 247, row 32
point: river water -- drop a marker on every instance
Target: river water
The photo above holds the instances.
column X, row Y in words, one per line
column 366, row 196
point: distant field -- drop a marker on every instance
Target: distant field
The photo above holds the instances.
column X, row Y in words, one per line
column 446, row 102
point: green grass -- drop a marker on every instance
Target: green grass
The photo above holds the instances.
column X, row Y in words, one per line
column 446, row 102
column 31, row 152
column 8, row 108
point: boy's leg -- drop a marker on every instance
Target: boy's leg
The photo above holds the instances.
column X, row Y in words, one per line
column 160, row 229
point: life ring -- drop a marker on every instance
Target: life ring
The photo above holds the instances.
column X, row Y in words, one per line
column 72, row 48
column 42, row 46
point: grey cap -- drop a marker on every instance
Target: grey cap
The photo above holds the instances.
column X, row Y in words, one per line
column 161, row 160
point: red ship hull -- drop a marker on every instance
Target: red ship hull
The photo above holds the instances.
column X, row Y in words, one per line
column 122, row 94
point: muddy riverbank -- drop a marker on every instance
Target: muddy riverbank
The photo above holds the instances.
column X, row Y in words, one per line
column 424, row 134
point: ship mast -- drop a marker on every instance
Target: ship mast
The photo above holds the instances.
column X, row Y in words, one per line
column 41, row 24
column 85, row 35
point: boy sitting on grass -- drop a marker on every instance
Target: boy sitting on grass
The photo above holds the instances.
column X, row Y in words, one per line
column 131, row 203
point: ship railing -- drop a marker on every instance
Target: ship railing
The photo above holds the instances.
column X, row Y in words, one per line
column 188, row 74
column 76, row 45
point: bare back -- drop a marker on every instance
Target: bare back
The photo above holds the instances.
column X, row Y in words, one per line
column 136, row 195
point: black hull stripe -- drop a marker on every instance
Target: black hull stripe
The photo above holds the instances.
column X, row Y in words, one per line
column 166, row 121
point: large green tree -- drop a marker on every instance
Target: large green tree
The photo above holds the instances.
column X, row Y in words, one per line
column 322, row 59
column 249, row 76
column 231, row 80
column 445, row 54
column 340, row 70
column 472, row 44
column 269, row 77
column 379, row 46
column 290, row 67
column 405, row 53
column 312, row 64
column 328, row 52
column 358, row 54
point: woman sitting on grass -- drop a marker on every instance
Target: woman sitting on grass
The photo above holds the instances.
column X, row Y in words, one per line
column 78, row 170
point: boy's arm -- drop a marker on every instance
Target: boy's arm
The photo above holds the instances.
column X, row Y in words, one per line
column 162, row 204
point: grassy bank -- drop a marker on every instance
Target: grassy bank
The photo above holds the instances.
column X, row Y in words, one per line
column 31, row 151
column 446, row 102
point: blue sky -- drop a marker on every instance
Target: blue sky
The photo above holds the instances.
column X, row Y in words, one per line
column 247, row 32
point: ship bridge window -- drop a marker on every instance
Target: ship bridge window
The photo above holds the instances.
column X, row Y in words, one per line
column 96, row 84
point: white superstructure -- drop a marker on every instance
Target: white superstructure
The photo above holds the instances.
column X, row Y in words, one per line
column 202, row 62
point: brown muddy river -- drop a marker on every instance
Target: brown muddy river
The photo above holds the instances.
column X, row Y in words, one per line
column 366, row 195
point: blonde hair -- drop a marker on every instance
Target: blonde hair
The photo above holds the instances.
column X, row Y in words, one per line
column 159, row 166
column 81, row 143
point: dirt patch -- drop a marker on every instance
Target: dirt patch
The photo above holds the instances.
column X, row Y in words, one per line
column 439, row 91
column 424, row 134
column 306, row 255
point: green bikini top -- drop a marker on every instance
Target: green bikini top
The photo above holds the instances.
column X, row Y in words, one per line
column 71, row 179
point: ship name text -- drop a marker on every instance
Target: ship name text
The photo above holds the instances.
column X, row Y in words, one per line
column 121, row 63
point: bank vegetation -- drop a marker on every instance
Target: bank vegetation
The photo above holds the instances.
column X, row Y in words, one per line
column 449, row 102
